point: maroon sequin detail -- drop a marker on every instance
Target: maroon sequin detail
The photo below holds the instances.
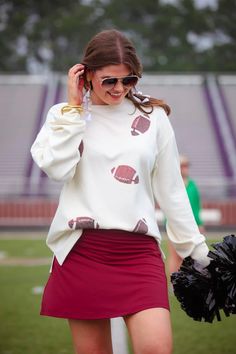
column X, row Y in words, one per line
column 81, row 148
column 83, row 222
column 141, row 227
column 140, row 125
column 125, row 174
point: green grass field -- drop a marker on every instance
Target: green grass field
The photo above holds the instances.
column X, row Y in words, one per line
column 24, row 331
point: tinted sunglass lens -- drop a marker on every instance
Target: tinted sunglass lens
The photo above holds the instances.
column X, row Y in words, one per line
column 126, row 81
column 110, row 82
column 130, row 81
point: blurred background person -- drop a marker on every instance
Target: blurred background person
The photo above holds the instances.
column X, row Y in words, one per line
column 174, row 260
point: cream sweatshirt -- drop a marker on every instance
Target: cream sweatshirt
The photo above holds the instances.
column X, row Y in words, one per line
column 115, row 168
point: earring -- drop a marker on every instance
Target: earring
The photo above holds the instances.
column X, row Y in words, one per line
column 86, row 104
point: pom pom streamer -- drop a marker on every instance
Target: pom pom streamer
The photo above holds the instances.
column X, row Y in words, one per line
column 224, row 263
column 202, row 293
column 195, row 291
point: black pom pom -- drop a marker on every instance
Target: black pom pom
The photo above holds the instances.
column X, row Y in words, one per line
column 194, row 289
column 202, row 293
column 224, row 264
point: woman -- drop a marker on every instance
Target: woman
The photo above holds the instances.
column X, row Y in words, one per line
column 117, row 155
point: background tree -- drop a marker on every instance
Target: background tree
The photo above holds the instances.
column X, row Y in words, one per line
column 36, row 35
column 170, row 36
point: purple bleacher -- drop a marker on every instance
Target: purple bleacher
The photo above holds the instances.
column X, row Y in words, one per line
column 227, row 86
column 26, row 100
column 217, row 129
column 20, row 100
column 37, row 126
column 194, row 133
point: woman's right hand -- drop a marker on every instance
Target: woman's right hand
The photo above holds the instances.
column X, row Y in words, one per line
column 75, row 84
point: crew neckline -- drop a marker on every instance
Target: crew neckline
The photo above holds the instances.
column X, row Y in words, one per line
column 125, row 102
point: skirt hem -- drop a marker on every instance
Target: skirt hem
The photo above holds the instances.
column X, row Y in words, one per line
column 114, row 315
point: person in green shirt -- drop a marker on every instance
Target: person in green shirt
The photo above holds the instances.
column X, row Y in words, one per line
column 174, row 260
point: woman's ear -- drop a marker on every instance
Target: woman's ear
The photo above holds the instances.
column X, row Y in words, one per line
column 88, row 79
column 89, row 74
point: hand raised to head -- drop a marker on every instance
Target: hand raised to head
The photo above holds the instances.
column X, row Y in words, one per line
column 75, row 84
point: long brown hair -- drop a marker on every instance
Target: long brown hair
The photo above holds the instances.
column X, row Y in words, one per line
column 111, row 47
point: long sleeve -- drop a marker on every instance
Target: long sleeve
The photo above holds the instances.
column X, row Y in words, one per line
column 56, row 148
column 169, row 191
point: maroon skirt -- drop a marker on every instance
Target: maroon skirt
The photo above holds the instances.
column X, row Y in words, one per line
column 108, row 273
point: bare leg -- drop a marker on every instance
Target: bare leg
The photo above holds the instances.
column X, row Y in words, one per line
column 150, row 331
column 91, row 336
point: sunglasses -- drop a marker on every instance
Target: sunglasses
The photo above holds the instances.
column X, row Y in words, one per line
column 127, row 81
